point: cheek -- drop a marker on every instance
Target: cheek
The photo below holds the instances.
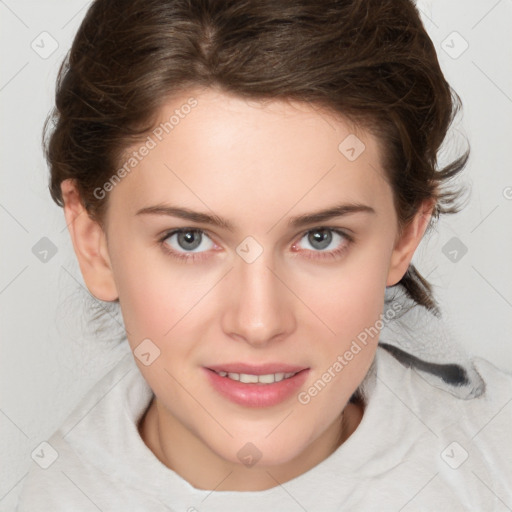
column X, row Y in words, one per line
column 153, row 295
column 351, row 306
column 155, row 302
column 350, row 297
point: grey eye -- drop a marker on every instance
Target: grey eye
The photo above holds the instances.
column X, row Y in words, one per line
column 187, row 240
column 320, row 238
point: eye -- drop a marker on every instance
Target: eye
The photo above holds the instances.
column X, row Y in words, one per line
column 322, row 238
column 185, row 243
column 187, row 240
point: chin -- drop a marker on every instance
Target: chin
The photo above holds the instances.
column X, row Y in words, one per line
column 260, row 452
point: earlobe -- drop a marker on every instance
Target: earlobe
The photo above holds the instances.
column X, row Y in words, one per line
column 407, row 243
column 90, row 245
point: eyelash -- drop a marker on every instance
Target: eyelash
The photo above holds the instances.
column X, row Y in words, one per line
column 193, row 257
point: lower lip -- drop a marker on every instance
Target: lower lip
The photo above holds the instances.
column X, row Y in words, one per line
column 255, row 394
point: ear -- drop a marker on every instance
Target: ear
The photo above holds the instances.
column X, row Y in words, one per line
column 406, row 244
column 90, row 245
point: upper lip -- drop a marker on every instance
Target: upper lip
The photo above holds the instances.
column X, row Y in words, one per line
column 251, row 369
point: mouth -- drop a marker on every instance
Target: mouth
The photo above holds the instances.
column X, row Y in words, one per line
column 250, row 378
column 253, row 386
column 267, row 373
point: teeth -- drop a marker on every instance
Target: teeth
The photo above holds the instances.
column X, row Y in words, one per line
column 246, row 378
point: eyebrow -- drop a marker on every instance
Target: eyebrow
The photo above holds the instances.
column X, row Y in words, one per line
column 294, row 222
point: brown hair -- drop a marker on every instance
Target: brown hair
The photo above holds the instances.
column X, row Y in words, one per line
column 369, row 61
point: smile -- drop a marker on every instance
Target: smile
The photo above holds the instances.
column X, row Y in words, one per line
column 248, row 378
column 251, row 390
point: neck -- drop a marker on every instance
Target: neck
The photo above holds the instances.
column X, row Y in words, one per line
column 182, row 451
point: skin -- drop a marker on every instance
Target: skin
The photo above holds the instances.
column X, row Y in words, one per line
column 256, row 165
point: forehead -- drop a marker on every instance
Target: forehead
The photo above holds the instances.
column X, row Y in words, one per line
column 214, row 150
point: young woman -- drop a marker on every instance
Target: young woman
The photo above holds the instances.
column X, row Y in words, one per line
column 249, row 181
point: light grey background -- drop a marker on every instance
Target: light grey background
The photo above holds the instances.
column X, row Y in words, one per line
column 50, row 353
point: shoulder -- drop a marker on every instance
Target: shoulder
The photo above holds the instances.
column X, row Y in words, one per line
column 454, row 434
column 477, row 389
column 497, row 378
column 49, row 484
column 74, row 468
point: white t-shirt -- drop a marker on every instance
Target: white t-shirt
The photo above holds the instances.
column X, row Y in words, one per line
column 419, row 447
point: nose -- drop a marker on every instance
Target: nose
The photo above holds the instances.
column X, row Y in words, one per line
column 260, row 303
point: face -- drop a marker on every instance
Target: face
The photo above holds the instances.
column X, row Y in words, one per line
column 261, row 287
